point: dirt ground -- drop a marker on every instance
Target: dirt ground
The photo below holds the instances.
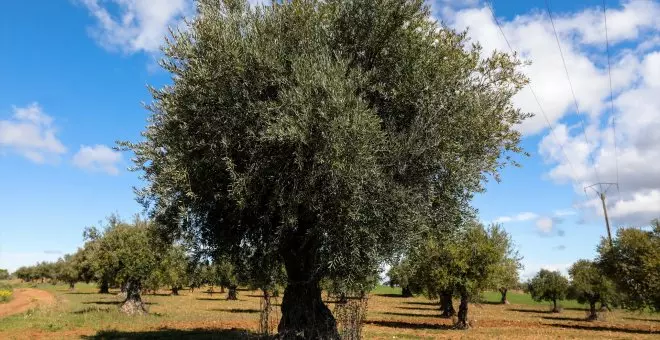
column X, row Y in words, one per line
column 25, row 299
column 197, row 315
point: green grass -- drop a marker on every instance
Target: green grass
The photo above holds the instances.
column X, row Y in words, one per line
column 490, row 297
column 386, row 290
column 526, row 299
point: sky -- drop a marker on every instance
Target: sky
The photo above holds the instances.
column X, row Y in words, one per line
column 73, row 76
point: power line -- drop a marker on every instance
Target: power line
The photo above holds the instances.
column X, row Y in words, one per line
column 570, row 83
column 538, row 102
column 609, row 71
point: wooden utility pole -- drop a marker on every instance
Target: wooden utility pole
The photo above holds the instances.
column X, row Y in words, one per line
column 601, row 194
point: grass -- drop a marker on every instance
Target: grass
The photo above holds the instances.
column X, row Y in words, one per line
column 85, row 314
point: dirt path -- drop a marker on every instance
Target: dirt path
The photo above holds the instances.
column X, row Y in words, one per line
column 24, row 299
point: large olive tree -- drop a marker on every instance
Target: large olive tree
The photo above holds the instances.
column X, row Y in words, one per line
column 315, row 134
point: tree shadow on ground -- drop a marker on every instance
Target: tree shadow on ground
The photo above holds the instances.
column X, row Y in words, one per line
column 112, row 303
column 409, row 325
column 413, row 315
column 642, row 319
column 530, row 311
column 577, row 309
column 91, row 310
column 392, row 295
column 230, row 334
column 488, row 303
column 563, row 318
column 236, row 310
column 80, row 293
column 606, row 329
column 164, row 294
column 422, row 303
column 418, row 308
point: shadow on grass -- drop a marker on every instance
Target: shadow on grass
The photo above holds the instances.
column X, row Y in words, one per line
column 237, row 310
column 642, row 319
column 81, row 293
column 422, row 303
column 606, row 329
column 563, row 318
column 577, row 309
column 392, row 295
column 230, row 334
column 413, row 315
column 112, row 303
column 409, row 325
column 91, row 310
column 489, row 303
column 530, row 311
column 419, row 308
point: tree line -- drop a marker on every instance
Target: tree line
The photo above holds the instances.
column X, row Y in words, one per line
column 625, row 274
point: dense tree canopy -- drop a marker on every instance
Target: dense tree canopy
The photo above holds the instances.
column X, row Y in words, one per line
column 633, row 263
column 548, row 286
column 4, row 274
column 317, row 135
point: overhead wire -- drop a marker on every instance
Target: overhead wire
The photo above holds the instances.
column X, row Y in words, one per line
column 612, row 117
column 489, row 5
column 570, row 83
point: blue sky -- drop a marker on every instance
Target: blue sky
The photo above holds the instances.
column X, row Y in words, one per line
column 73, row 78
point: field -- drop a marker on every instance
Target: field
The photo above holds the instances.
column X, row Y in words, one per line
column 84, row 314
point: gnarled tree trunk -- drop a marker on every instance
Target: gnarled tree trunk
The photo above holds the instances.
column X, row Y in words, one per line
column 462, row 322
column 105, row 287
column 232, row 294
column 133, row 303
column 72, row 286
column 593, row 314
column 554, row 306
column 406, row 292
column 222, row 289
column 304, row 315
column 175, row 290
column 503, row 291
column 446, row 305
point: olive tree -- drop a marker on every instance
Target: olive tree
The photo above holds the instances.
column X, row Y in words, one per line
column 4, row 274
column 312, row 134
column 127, row 251
column 633, row 264
column 401, row 274
column 465, row 266
column 548, row 286
column 589, row 285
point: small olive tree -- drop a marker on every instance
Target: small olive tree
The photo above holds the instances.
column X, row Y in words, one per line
column 589, row 285
column 548, row 286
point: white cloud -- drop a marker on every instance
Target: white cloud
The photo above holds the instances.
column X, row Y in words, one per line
column 544, row 225
column 521, row 217
column 30, row 133
column 634, row 35
column 97, row 158
column 533, row 268
column 135, row 25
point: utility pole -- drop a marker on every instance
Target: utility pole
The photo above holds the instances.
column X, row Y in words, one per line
column 601, row 194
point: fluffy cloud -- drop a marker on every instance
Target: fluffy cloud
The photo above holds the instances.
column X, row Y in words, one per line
column 521, row 217
column 135, row 25
column 30, row 133
column 634, row 36
column 97, row 158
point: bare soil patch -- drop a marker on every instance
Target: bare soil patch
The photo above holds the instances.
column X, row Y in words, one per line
column 25, row 299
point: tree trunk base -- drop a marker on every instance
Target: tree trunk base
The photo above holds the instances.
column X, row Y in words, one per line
column 304, row 315
column 447, row 306
column 506, row 302
column 232, row 294
column 133, row 307
column 406, row 292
